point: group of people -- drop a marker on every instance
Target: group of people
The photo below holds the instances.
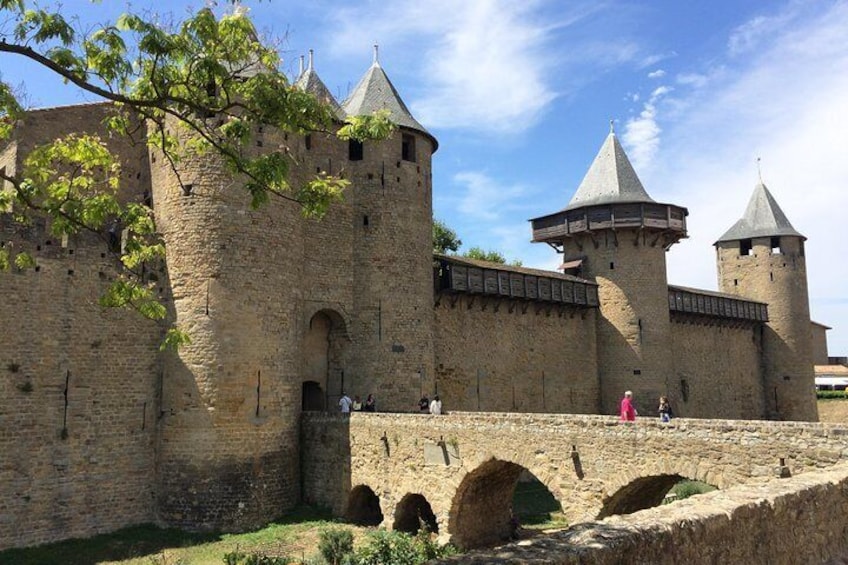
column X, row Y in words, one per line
column 346, row 405
column 425, row 405
column 628, row 411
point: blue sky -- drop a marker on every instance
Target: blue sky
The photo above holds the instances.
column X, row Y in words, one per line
column 520, row 95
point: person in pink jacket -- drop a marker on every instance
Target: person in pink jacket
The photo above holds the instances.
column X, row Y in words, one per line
column 628, row 411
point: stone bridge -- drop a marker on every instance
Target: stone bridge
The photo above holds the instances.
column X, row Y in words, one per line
column 458, row 472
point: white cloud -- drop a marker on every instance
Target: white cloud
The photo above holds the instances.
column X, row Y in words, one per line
column 484, row 198
column 642, row 133
column 696, row 80
column 659, row 73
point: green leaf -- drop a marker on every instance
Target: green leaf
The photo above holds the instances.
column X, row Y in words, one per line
column 174, row 339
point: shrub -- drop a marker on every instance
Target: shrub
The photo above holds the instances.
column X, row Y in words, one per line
column 335, row 544
column 685, row 489
column 832, row 394
column 239, row 558
column 399, row 548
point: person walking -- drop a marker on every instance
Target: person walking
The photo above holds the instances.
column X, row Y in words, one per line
column 665, row 410
column 436, row 405
column 628, row 411
column 370, row 404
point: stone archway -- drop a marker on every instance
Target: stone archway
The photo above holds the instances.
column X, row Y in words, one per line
column 413, row 512
column 639, row 494
column 363, row 507
column 323, row 352
column 481, row 512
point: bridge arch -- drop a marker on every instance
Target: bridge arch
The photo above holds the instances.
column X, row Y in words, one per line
column 648, row 489
column 412, row 512
column 481, row 510
column 363, row 507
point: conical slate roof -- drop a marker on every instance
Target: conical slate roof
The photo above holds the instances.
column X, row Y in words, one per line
column 375, row 92
column 763, row 218
column 309, row 81
column 610, row 179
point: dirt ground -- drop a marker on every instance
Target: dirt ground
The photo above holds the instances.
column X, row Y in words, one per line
column 833, row 411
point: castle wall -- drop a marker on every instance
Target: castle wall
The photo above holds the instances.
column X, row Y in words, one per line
column 79, row 384
column 717, row 370
column 514, row 356
column 79, row 398
column 818, row 337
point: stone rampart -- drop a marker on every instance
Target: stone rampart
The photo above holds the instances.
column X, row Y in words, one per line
column 781, row 522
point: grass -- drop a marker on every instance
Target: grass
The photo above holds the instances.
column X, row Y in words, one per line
column 295, row 534
column 535, row 507
column 687, row 488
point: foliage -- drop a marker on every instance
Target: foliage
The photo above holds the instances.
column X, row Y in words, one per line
column 335, row 544
column 491, row 255
column 832, row 394
column 399, row 548
column 241, row 558
column 206, row 85
column 686, row 488
column 444, row 238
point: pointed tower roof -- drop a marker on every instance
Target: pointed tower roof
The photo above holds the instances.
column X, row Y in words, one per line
column 610, row 179
column 376, row 92
column 309, row 81
column 763, row 218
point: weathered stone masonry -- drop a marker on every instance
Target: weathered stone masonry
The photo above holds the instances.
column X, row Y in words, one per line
column 98, row 429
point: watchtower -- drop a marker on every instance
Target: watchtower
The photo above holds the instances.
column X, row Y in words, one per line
column 762, row 258
column 612, row 232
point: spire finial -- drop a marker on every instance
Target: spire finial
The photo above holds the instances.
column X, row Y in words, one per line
column 300, row 67
column 759, row 170
column 612, row 127
column 376, row 54
column 311, row 54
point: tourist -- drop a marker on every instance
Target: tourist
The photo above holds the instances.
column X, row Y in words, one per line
column 424, row 404
column 665, row 409
column 628, row 411
column 345, row 403
column 357, row 404
column 436, row 405
column 370, row 404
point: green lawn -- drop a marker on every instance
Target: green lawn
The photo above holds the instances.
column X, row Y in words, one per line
column 294, row 535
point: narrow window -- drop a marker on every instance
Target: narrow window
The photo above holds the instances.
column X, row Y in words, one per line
column 365, row 220
column 355, row 151
column 407, row 148
column 775, row 245
column 308, row 141
column 745, row 247
column 612, row 266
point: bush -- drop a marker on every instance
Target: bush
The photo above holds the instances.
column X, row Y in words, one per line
column 335, row 544
column 239, row 558
column 399, row 548
column 832, row 394
column 685, row 489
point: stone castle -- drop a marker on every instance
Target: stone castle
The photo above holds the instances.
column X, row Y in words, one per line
column 99, row 429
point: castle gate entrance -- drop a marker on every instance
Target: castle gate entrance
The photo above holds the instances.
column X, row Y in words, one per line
column 322, row 364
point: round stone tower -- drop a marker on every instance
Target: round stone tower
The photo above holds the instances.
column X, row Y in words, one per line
column 762, row 258
column 392, row 250
column 612, row 232
column 228, row 453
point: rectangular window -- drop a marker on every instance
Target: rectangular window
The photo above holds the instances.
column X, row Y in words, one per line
column 355, row 150
column 775, row 245
column 745, row 247
column 407, row 148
